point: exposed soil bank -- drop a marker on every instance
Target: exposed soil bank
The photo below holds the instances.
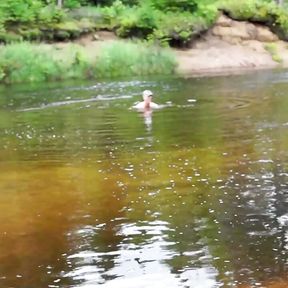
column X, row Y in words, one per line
column 229, row 47
column 232, row 46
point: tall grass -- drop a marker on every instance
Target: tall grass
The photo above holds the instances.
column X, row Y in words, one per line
column 25, row 62
column 128, row 58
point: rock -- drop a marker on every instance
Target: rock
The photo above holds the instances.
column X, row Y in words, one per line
column 251, row 30
column 264, row 34
column 96, row 37
column 224, row 21
column 255, row 46
column 231, row 40
column 237, row 31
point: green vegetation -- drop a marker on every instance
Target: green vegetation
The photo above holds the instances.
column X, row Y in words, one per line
column 157, row 22
column 165, row 21
column 272, row 49
column 171, row 22
column 150, row 20
column 162, row 21
column 24, row 62
column 264, row 12
column 119, row 58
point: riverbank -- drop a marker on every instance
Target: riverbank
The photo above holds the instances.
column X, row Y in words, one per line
column 230, row 46
column 203, row 38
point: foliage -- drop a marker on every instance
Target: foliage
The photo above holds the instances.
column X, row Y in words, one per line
column 24, row 62
column 177, row 28
column 272, row 49
column 174, row 5
column 50, row 14
column 173, row 22
column 20, row 10
column 128, row 58
column 266, row 12
column 73, row 3
column 28, row 11
column 92, row 13
column 140, row 23
column 10, row 37
column 108, row 2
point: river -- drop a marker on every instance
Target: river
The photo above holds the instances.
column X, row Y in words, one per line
column 193, row 195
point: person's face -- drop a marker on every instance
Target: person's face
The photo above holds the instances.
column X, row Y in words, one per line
column 148, row 99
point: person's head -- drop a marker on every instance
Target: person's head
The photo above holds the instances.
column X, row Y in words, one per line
column 147, row 96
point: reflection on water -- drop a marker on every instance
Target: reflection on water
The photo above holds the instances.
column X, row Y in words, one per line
column 193, row 195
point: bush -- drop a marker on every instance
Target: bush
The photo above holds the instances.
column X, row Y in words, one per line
column 175, row 5
column 130, row 59
column 145, row 21
column 179, row 29
column 163, row 21
column 19, row 12
column 94, row 14
column 268, row 13
column 138, row 22
column 50, row 14
column 24, row 62
column 29, row 34
column 273, row 50
column 10, row 37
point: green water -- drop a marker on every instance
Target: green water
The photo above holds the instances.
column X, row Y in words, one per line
column 94, row 194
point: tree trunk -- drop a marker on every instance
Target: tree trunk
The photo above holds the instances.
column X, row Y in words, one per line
column 60, row 3
column 280, row 2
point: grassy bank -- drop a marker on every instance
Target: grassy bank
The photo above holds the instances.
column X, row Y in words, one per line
column 25, row 62
column 159, row 23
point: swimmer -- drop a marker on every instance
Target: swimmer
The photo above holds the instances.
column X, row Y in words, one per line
column 147, row 103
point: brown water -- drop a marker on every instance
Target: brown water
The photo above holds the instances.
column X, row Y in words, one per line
column 93, row 194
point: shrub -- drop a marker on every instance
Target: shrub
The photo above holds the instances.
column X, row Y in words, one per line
column 94, row 14
column 50, row 14
column 29, row 34
column 273, row 50
column 138, row 22
column 175, row 5
column 24, row 62
column 19, row 12
column 111, row 15
column 264, row 12
column 129, row 59
column 10, row 37
column 179, row 29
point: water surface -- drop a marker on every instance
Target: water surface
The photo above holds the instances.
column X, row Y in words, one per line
column 94, row 194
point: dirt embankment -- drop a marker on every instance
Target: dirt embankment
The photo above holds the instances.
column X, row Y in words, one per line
column 232, row 46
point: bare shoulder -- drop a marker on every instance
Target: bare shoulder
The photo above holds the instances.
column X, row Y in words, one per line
column 139, row 105
column 154, row 105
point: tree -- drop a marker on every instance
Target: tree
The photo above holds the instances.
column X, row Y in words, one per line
column 60, row 3
column 280, row 2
